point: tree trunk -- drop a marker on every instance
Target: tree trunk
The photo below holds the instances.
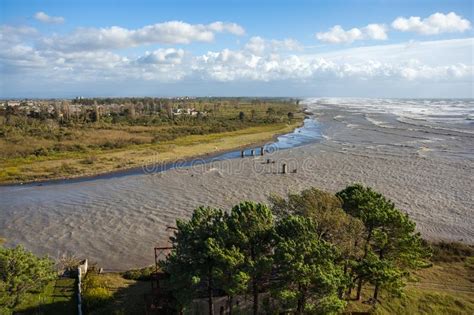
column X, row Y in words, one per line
column 254, row 285
column 377, row 287
column 349, row 292
column 341, row 289
column 376, row 293
column 366, row 249
column 231, row 298
column 351, row 285
column 366, row 245
column 299, row 307
column 301, row 301
column 255, row 296
column 359, row 289
column 210, row 301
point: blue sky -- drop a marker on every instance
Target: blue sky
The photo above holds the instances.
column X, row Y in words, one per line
column 281, row 48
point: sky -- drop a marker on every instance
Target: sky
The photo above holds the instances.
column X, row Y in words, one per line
column 64, row 49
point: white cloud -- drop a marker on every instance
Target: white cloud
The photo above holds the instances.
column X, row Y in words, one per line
column 89, row 58
column 436, row 23
column 375, row 31
column 425, row 61
column 11, row 34
column 172, row 32
column 231, row 28
column 337, row 35
column 258, row 45
column 43, row 17
column 21, row 56
column 162, row 56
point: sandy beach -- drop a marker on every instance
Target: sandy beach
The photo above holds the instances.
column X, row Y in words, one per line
column 424, row 167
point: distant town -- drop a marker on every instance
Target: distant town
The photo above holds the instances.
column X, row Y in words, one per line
column 94, row 108
column 64, row 108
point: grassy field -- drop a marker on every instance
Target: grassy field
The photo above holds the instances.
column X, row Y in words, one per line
column 32, row 149
column 446, row 288
column 110, row 293
column 57, row 298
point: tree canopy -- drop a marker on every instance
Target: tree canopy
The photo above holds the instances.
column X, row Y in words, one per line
column 306, row 268
column 305, row 252
column 22, row 272
column 391, row 246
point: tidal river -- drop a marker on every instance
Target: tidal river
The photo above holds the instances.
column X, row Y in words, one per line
column 113, row 219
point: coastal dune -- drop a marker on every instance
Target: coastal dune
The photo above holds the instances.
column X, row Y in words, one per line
column 425, row 169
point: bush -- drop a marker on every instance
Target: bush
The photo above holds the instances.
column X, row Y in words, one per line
column 67, row 263
column 41, row 152
column 139, row 274
column 22, row 272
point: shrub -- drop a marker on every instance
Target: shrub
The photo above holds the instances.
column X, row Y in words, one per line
column 67, row 263
column 41, row 152
column 139, row 274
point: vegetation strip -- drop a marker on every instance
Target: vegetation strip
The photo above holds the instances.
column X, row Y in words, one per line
column 51, row 140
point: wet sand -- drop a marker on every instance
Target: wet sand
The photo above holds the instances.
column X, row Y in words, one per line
column 116, row 222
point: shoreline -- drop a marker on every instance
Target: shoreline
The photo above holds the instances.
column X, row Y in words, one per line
column 133, row 170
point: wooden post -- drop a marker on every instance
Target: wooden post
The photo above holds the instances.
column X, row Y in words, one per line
column 261, row 151
column 283, row 169
column 242, row 153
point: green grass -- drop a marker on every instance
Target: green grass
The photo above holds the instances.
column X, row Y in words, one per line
column 445, row 288
column 419, row 300
column 58, row 297
column 114, row 294
column 427, row 301
column 94, row 161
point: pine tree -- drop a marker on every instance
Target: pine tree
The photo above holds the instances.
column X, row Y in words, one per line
column 391, row 246
column 22, row 272
column 305, row 267
column 251, row 225
column 195, row 257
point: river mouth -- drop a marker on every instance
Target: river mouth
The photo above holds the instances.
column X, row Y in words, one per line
column 309, row 132
column 117, row 219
